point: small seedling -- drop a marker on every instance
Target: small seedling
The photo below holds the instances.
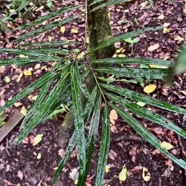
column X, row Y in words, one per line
column 132, row 41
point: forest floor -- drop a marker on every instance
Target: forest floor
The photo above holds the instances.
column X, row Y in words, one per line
column 29, row 165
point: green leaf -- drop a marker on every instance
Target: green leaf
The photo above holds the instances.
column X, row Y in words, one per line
column 49, row 44
column 143, row 98
column 40, row 98
column 124, row 36
column 46, row 53
column 104, row 148
column 78, row 118
column 108, row 3
column 47, row 17
column 46, row 27
column 132, row 41
column 148, row 114
column 91, row 140
column 134, row 72
column 25, row 61
column 142, row 131
column 36, row 84
column 134, row 60
column 44, row 109
column 72, row 142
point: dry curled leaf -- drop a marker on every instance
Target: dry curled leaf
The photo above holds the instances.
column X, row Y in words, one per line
column 146, row 174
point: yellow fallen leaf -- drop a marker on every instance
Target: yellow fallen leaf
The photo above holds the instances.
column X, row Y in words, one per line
column 62, row 29
column 27, row 72
column 184, row 9
column 19, row 77
column 166, row 145
column 142, row 104
column 153, row 47
column 50, row 38
column 113, row 116
column 107, row 168
column 39, row 156
column 34, row 97
column 23, row 110
column 161, row 16
column 178, row 38
column 80, row 55
column 123, row 174
column 146, row 174
column 23, row 56
column 74, row 30
column 158, row 66
column 149, row 88
column 37, row 66
column 121, row 55
column 166, row 30
column 165, row 25
column 17, row 104
column 183, row 92
column 37, row 139
column 120, row 50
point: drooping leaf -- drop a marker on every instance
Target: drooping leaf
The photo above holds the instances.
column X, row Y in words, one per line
column 39, row 99
column 43, row 110
column 24, row 61
column 104, row 148
column 108, row 3
column 49, row 44
column 36, row 84
column 148, row 114
column 46, row 27
column 47, row 17
column 124, row 36
column 147, row 135
column 78, row 117
column 35, row 52
column 134, row 72
column 72, row 142
column 134, row 60
column 91, row 140
column 143, row 98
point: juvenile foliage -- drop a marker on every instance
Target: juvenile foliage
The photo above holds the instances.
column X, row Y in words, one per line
column 69, row 75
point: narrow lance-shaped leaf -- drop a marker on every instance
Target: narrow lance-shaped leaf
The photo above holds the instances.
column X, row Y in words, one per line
column 35, row 52
column 134, row 60
column 142, row 131
column 78, row 117
column 91, row 140
column 36, row 84
column 108, row 3
column 134, row 72
column 124, row 36
column 50, row 44
column 47, row 17
column 104, row 149
column 148, row 114
column 40, row 98
column 43, row 110
column 143, row 98
column 72, row 142
column 46, row 27
column 25, row 60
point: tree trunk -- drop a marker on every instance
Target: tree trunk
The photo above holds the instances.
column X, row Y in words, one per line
column 99, row 30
